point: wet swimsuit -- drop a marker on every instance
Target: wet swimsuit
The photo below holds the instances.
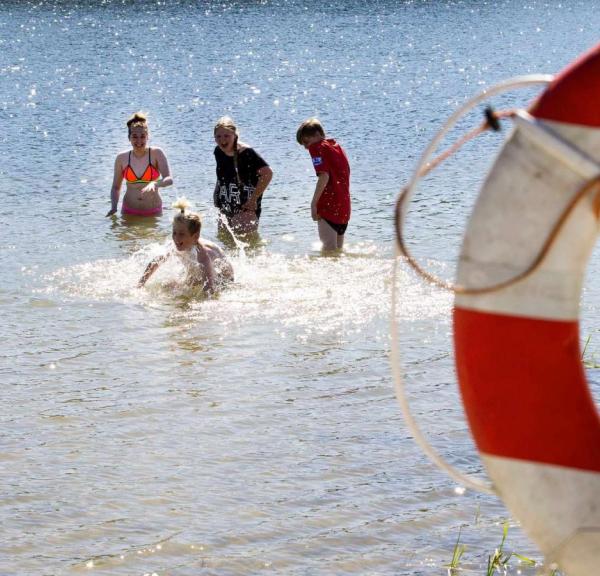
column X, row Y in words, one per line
column 151, row 174
column 339, row 228
column 136, row 212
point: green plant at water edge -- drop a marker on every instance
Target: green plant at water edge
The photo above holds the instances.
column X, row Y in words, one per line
column 524, row 559
column 589, row 363
column 459, row 550
column 587, row 341
column 498, row 561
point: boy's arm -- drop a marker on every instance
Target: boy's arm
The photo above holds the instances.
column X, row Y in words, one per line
column 150, row 269
column 322, row 180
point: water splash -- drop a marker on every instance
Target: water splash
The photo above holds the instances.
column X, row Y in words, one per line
column 315, row 293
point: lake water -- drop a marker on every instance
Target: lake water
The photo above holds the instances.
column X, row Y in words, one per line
column 154, row 432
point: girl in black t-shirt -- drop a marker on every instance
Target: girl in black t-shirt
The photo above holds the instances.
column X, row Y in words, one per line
column 242, row 177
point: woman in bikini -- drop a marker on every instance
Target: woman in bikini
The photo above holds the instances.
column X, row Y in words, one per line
column 141, row 168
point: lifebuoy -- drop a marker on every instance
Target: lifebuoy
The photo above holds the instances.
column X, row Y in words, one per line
column 517, row 348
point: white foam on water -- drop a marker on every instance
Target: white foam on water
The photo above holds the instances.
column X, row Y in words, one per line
column 312, row 291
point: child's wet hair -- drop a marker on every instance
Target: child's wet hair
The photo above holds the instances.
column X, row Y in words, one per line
column 192, row 220
column 308, row 128
column 137, row 119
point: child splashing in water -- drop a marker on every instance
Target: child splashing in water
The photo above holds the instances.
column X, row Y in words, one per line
column 205, row 262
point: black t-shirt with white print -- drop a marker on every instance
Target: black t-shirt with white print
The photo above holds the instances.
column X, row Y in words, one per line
column 229, row 195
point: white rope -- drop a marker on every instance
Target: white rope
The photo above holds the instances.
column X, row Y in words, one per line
column 462, row 478
column 519, row 82
column 415, row 430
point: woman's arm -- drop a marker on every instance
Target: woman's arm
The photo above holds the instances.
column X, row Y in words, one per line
column 115, row 191
column 216, row 200
column 150, row 269
column 265, row 174
column 165, row 172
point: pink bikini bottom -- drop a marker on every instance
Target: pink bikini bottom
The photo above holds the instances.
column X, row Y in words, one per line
column 135, row 212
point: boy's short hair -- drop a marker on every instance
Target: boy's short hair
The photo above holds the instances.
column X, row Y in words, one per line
column 309, row 127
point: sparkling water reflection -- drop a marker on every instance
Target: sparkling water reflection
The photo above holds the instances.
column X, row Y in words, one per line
column 152, row 431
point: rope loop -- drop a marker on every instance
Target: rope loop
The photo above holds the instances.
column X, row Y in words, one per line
column 492, row 121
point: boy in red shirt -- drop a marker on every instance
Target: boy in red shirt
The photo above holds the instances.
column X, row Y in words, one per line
column 330, row 205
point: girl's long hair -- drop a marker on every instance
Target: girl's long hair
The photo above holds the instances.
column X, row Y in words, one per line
column 227, row 123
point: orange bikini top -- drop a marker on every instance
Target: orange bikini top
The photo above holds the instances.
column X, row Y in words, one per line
column 151, row 174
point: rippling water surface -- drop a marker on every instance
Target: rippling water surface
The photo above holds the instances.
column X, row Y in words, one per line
column 154, row 431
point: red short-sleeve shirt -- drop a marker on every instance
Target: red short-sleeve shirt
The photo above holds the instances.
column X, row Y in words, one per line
column 334, row 204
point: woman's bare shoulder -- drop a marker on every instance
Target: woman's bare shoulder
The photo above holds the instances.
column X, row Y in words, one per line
column 156, row 151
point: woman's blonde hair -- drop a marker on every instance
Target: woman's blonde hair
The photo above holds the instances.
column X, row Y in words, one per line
column 228, row 123
column 192, row 220
column 135, row 120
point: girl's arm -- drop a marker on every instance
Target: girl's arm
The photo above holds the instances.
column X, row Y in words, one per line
column 216, row 200
column 115, row 191
column 165, row 172
column 264, row 177
column 323, row 178
column 150, row 269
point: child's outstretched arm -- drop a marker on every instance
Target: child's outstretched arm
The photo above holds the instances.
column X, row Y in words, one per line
column 323, row 178
column 150, row 269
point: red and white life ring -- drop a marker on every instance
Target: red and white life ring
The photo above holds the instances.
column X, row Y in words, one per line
column 517, row 348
